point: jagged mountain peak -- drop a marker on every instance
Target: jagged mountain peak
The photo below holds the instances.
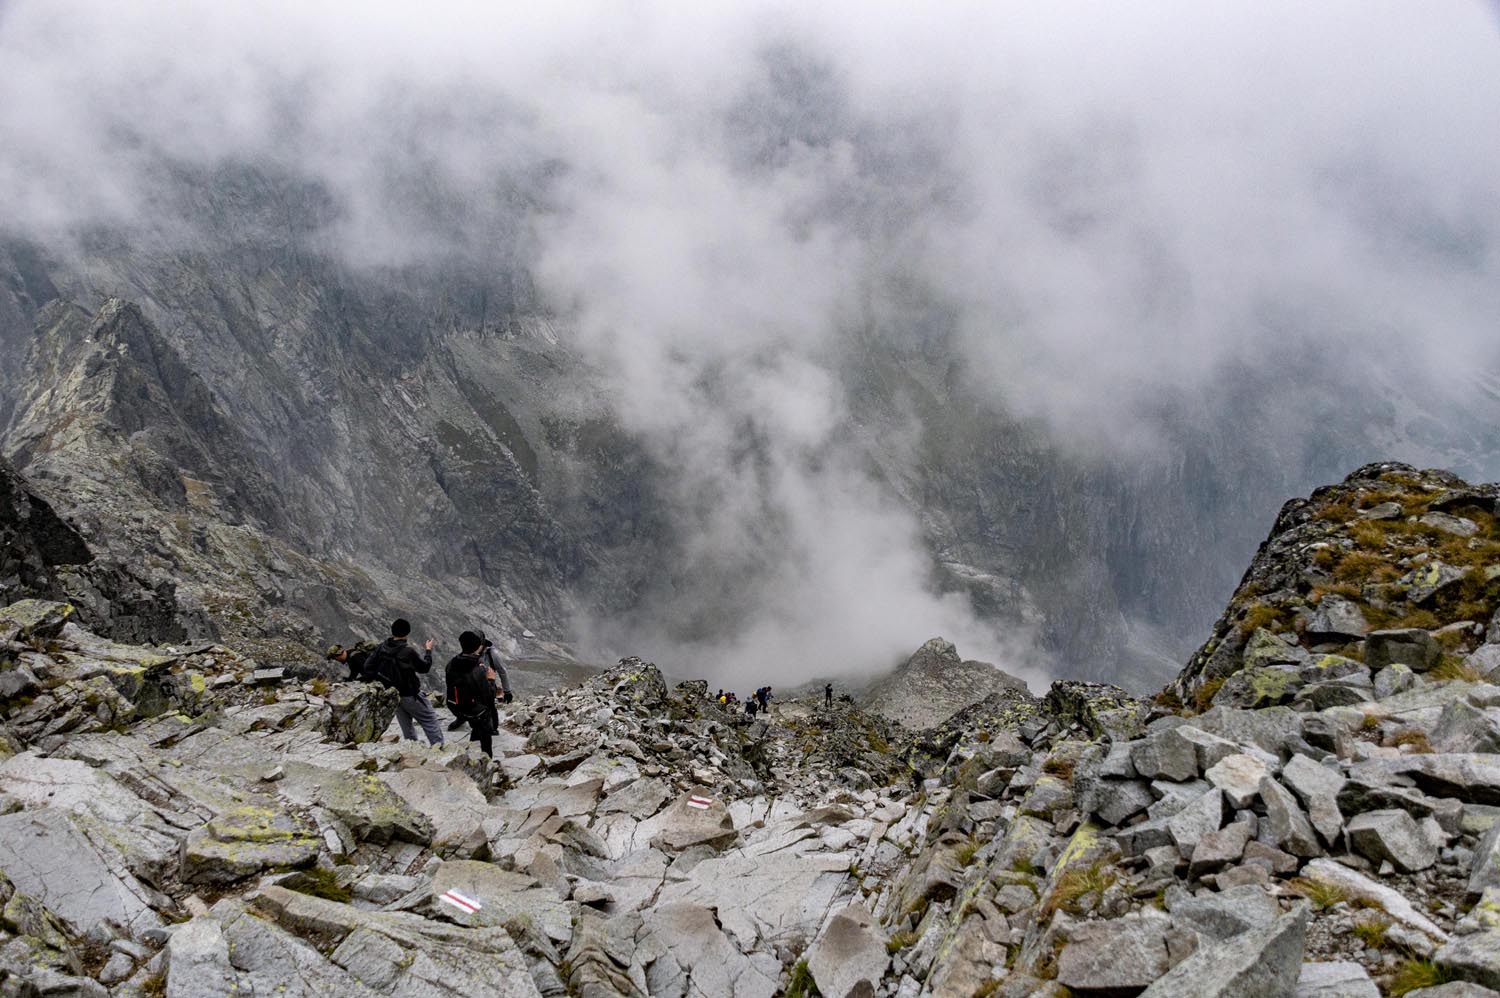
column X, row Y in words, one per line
column 1390, row 548
column 934, row 684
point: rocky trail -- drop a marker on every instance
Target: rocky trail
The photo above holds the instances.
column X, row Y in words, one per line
column 1311, row 810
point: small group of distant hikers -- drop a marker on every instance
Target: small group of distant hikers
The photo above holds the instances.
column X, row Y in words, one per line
column 472, row 681
column 759, row 702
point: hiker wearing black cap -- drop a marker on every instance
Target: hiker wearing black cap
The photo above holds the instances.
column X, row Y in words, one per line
column 471, row 692
column 491, row 659
column 396, row 664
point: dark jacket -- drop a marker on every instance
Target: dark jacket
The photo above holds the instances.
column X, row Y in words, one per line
column 358, row 656
column 398, row 664
column 471, row 692
column 456, row 670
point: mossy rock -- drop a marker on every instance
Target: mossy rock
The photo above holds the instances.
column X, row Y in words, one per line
column 33, row 618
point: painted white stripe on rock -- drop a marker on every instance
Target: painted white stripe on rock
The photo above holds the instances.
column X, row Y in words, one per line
column 462, row 902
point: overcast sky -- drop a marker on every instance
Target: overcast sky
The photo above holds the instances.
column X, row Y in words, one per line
column 1105, row 203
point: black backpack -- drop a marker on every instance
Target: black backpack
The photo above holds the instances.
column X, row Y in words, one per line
column 381, row 667
column 475, row 690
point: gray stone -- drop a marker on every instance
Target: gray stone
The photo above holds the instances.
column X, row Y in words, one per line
column 1336, row 618
column 1394, row 678
column 1326, row 668
column 1455, row 989
column 1165, row 754
column 16, row 681
column 197, row 961
column 1115, row 800
column 1266, row 648
column 1346, row 691
column 1139, row 839
column 1391, row 836
column 694, row 941
column 1471, row 777
column 1427, row 580
column 1335, row 980
column 1188, row 827
column 1225, row 914
column 1270, row 857
column 1358, row 887
column 222, row 857
column 1264, row 963
column 1464, row 726
column 1210, row 748
column 1120, row 956
column 359, row 712
column 1458, row 526
column 1217, row 850
column 849, row 958
column 1239, row 777
column 1271, row 730
column 449, row 799
column 1266, row 686
column 681, row 826
column 418, row 956
column 503, row 894
column 1485, row 659
column 1486, row 871
column 771, row 898
column 45, row 854
column 116, row 969
column 1412, row 647
column 1383, row 511
column 1047, row 797
column 34, row 618
column 1473, row 957
column 371, row 809
column 1317, row 787
column 1289, row 828
column 1173, row 798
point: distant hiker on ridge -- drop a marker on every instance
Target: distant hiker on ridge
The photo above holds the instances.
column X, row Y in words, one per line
column 396, row 664
column 828, row 695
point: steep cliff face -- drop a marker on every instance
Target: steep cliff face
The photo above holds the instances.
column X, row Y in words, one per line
column 330, row 446
column 42, row 556
column 134, row 444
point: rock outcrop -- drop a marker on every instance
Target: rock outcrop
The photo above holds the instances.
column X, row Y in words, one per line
column 183, row 820
column 933, row 685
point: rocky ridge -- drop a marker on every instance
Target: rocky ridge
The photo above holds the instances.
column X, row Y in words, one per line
column 240, row 829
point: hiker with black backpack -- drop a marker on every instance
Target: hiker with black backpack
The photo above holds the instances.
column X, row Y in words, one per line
column 491, row 659
column 397, row 665
column 354, row 658
column 471, row 691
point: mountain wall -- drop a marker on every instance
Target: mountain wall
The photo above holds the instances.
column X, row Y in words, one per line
column 317, row 447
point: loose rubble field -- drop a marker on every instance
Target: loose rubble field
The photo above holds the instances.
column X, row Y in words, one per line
column 1314, row 812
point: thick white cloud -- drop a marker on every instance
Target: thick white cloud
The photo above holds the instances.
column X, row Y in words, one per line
column 1108, row 205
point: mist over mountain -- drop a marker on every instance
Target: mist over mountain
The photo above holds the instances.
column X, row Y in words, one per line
column 774, row 340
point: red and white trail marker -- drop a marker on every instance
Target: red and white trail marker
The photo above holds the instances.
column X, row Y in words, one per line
column 701, row 803
column 462, row 902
